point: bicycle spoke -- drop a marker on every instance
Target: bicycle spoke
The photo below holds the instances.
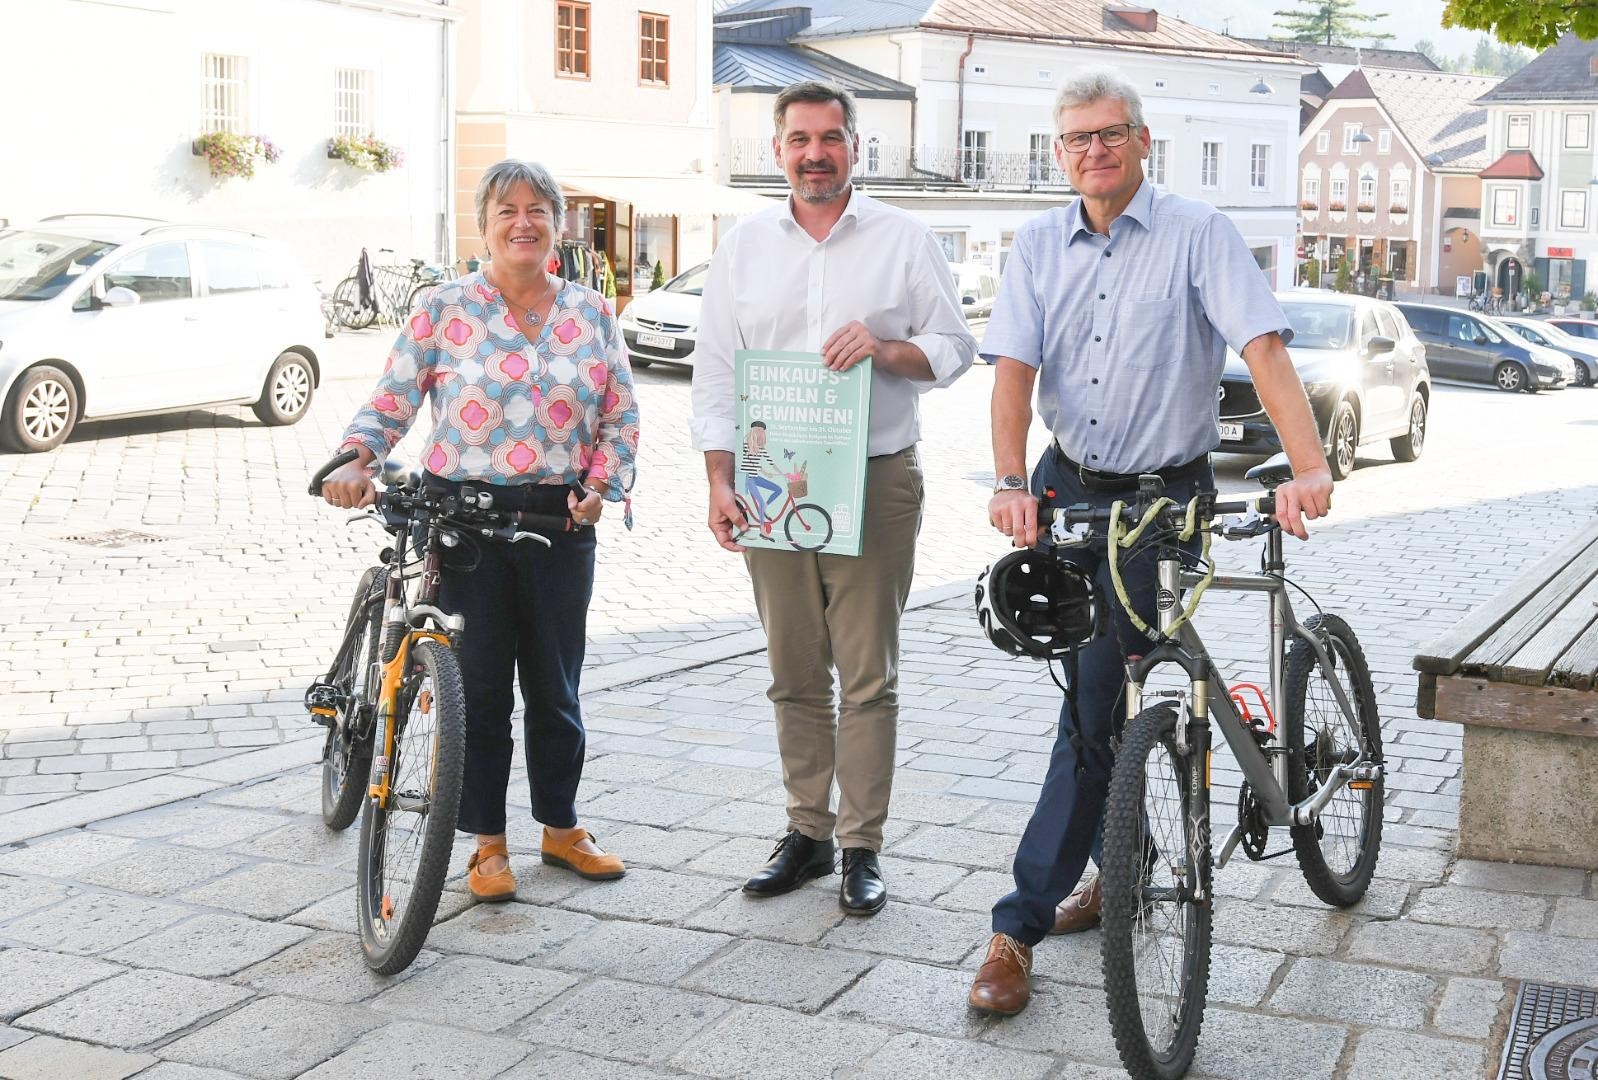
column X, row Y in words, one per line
column 1337, row 739
column 405, row 819
column 1160, row 928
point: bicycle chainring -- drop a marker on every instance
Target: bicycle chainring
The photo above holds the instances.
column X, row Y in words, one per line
column 1251, row 816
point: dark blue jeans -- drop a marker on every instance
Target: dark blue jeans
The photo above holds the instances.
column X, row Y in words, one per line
column 1067, row 824
column 526, row 609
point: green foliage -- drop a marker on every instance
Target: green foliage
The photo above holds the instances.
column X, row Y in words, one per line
column 369, row 154
column 1330, row 22
column 1345, row 274
column 1312, row 273
column 1429, row 51
column 659, row 277
column 1537, row 24
column 1533, row 285
column 1589, row 302
column 227, row 154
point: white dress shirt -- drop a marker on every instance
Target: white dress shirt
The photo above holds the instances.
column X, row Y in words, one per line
column 772, row 287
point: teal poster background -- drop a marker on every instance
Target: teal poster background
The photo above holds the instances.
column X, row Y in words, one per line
column 800, row 468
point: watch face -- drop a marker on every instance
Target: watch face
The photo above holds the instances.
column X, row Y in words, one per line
column 1012, row 483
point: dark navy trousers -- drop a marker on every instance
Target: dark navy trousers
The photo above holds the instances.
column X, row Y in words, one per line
column 1067, row 824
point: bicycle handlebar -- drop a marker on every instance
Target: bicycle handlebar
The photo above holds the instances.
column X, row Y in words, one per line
column 342, row 458
column 1172, row 517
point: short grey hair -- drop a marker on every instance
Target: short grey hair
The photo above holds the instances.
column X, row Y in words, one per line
column 816, row 92
column 1096, row 84
column 502, row 177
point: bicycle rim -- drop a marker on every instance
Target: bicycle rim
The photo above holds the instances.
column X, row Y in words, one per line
column 1156, row 942
column 808, row 527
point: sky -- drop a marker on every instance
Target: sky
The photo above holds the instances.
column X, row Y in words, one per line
column 1408, row 22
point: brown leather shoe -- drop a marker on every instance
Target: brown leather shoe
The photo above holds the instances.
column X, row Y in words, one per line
column 1080, row 910
column 490, row 888
column 1004, row 985
column 586, row 864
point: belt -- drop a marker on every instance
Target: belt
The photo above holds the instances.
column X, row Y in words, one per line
column 1099, row 480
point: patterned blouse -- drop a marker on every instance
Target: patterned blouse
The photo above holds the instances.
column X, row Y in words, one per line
column 506, row 410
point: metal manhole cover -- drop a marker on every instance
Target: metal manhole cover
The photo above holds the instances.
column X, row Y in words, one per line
column 113, row 538
column 1553, row 1034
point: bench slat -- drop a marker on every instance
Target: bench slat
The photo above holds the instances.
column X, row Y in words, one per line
column 1579, row 665
column 1443, row 655
column 1527, row 654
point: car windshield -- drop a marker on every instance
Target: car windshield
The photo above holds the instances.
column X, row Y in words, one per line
column 38, row 265
column 692, row 283
column 1319, row 326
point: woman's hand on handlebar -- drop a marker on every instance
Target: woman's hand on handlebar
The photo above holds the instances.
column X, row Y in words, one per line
column 350, row 486
column 585, row 511
column 1015, row 514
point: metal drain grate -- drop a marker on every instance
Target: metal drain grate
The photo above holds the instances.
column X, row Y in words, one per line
column 114, row 538
column 1553, row 1034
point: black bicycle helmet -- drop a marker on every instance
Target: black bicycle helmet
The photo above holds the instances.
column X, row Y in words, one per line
column 1030, row 604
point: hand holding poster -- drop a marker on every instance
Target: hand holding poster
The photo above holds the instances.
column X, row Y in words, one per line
column 800, row 473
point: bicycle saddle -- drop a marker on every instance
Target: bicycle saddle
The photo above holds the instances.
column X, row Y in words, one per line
column 398, row 474
column 1272, row 471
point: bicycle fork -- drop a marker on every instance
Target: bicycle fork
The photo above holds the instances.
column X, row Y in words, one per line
column 380, row 789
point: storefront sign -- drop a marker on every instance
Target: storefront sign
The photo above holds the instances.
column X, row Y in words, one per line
column 1561, row 253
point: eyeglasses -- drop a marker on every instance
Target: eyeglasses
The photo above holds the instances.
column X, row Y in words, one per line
column 1077, row 142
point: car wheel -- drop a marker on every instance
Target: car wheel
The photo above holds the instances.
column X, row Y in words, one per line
column 1583, row 374
column 42, row 411
column 1407, row 447
column 1510, row 377
column 637, row 364
column 1344, row 441
column 288, row 390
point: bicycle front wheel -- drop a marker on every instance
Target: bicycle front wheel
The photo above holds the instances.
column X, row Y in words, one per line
column 405, row 846
column 347, row 757
column 1157, row 908
column 1338, row 852
column 347, row 306
column 808, row 527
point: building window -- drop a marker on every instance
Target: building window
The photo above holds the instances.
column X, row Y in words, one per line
column 1399, row 201
column 1040, row 158
column 1573, row 209
column 654, row 47
column 1159, row 156
column 974, row 156
column 874, row 156
column 1578, row 131
column 1349, row 131
column 1323, row 142
column 1384, row 141
column 1210, row 165
column 1536, row 213
column 1519, row 133
column 352, row 103
column 1312, row 193
column 1367, row 193
column 953, row 245
column 1339, row 197
column 572, row 21
column 1506, row 206
column 1259, row 167
column 224, row 92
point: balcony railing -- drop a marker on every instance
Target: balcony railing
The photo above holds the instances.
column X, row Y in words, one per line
column 753, row 159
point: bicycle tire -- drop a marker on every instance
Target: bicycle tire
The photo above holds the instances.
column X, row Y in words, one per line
column 347, row 755
column 392, row 931
column 815, row 527
column 1357, row 813
column 347, row 306
column 1142, row 892
column 410, row 300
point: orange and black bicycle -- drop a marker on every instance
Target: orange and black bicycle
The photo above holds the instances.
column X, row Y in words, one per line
column 394, row 708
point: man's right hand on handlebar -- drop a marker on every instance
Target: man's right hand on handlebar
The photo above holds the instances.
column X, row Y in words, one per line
column 1015, row 514
column 350, row 486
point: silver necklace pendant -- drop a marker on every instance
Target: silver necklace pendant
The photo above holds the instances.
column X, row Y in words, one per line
column 532, row 317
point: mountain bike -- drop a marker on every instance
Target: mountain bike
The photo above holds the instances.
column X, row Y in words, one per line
column 1313, row 764
column 807, row 526
column 392, row 293
column 394, row 707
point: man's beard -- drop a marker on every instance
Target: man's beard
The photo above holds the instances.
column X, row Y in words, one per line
column 812, row 194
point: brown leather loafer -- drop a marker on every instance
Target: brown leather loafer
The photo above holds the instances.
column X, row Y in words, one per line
column 490, row 888
column 1080, row 910
column 585, row 864
column 1004, row 985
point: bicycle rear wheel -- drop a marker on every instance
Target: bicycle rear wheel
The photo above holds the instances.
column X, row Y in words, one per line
column 808, row 527
column 347, row 306
column 347, row 757
column 1338, row 853
column 405, row 847
column 1156, row 915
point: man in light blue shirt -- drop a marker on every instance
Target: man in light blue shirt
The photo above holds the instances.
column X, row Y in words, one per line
column 1120, row 307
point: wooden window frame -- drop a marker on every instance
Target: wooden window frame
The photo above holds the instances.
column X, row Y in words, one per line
column 572, row 9
column 654, row 31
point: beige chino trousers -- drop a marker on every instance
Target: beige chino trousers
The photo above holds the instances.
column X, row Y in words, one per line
column 822, row 612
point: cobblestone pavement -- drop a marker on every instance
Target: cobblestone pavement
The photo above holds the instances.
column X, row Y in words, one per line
column 171, row 906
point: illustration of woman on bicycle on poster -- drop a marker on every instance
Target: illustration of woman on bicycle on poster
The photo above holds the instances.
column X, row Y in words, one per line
column 758, row 468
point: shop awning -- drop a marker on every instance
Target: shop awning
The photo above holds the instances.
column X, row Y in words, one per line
column 671, row 196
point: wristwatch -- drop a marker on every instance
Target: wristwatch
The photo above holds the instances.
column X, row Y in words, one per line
column 1010, row 483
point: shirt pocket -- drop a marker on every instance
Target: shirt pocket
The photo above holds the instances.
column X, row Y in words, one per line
column 1148, row 333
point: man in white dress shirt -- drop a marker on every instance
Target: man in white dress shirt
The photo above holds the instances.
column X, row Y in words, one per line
column 831, row 271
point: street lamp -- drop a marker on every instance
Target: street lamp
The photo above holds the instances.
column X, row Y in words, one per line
column 1361, row 137
column 1261, row 87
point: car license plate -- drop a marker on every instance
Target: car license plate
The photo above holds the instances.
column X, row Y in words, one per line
column 657, row 341
column 1231, row 432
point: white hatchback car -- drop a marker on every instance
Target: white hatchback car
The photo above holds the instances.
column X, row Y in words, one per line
column 108, row 316
column 659, row 327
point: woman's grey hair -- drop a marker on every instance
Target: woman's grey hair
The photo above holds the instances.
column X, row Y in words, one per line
column 1096, row 84
column 503, row 176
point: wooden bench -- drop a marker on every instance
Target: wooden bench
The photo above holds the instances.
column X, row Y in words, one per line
column 1521, row 674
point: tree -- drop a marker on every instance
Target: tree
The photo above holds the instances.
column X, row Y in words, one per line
column 1429, row 51
column 659, row 277
column 1329, row 22
column 1484, row 61
column 1534, row 23
column 1345, row 274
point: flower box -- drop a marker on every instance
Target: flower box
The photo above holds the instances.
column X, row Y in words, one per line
column 227, row 153
column 1309, row 206
column 1398, row 208
column 1367, row 208
column 368, row 154
column 1336, row 207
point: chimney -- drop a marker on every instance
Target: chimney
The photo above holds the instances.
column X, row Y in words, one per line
column 1143, row 19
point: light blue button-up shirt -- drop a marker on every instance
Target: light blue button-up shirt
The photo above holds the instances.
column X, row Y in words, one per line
column 1129, row 331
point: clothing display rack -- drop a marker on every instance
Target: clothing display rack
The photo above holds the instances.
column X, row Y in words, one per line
column 579, row 262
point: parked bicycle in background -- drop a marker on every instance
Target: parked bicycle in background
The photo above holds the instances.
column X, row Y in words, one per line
column 386, row 291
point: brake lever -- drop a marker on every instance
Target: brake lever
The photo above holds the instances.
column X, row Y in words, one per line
column 368, row 515
column 519, row 537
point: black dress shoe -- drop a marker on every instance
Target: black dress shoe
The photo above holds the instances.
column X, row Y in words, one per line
column 862, row 891
column 796, row 860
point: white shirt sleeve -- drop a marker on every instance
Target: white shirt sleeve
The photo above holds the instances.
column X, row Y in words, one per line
column 941, row 331
column 713, row 422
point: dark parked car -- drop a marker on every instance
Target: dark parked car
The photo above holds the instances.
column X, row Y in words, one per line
column 1582, row 352
column 1364, row 371
column 1478, row 348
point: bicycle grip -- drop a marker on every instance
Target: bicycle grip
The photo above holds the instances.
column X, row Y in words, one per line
column 546, row 523
column 343, row 457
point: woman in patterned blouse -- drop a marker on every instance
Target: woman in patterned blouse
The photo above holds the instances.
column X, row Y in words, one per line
column 530, row 390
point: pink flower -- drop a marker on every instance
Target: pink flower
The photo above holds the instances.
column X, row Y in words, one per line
column 522, row 457
column 561, row 413
column 474, row 415
column 514, row 365
column 421, row 326
column 458, row 332
column 385, row 403
column 567, row 331
column 437, row 460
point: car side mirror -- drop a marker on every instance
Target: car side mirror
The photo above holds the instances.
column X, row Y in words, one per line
column 119, row 296
column 968, row 300
column 1379, row 346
